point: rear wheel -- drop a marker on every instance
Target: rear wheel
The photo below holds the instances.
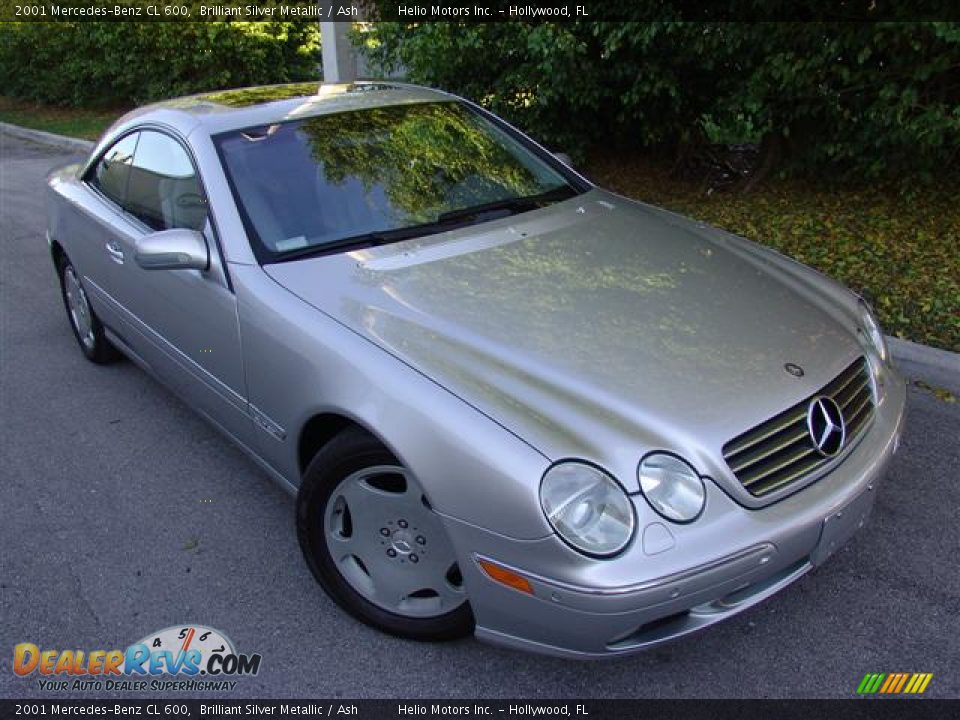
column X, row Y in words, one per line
column 84, row 322
column 375, row 544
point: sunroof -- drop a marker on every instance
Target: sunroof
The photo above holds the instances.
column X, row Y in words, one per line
column 245, row 97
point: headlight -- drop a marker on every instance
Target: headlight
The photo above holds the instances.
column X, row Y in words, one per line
column 871, row 329
column 587, row 508
column 673, row 488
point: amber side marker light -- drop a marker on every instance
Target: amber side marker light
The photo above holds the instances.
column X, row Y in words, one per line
column 505, row 577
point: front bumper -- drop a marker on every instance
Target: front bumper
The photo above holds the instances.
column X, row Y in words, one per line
column 578, row 609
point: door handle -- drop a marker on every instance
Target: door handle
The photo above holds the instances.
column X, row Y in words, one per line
column 116, row 254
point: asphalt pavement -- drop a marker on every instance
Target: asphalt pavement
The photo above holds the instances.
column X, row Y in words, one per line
column 122, row 512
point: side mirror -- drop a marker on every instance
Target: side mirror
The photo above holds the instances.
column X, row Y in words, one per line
column 176, row 249
column 564, row 158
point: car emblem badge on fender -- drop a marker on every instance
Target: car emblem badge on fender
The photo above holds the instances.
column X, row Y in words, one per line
column 825, row 425
column 793, row 369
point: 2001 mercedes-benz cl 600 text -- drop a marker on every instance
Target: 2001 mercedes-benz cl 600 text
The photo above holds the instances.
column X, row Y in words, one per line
column 507, row 401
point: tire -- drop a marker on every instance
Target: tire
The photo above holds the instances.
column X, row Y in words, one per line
column 371, row 540
column 86, row 326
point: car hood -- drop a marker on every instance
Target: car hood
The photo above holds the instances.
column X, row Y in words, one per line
column 597, row 328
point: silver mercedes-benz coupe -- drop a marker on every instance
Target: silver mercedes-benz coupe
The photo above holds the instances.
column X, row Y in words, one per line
column 508, row 402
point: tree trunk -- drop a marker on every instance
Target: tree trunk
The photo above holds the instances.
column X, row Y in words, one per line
column 771, row 152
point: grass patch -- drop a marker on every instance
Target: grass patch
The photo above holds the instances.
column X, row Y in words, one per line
column 903, row 254
column 75, row 122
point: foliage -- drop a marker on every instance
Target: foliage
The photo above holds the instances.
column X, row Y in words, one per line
column 73, row 122
column 109, row 64
column 849, row 100
column 900, row 253
column 248, row 96
column 425, row 157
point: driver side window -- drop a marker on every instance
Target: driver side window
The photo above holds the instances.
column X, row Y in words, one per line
column 110, row 175
column 163, row 191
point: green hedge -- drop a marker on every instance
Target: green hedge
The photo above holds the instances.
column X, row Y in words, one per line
column 854, row 100
column 108, row 64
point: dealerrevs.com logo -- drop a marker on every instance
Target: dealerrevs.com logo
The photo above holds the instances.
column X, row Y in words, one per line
column 182, row 657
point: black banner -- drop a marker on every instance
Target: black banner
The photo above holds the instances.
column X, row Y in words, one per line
column 921, row 709
column 475, row 10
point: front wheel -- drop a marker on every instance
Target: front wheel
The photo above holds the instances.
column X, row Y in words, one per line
column 375, row 544
column 84, row 322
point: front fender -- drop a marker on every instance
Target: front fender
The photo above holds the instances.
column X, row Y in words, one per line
column 300, row 362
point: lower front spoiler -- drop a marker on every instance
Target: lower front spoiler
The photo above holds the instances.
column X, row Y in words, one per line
column 669, row 627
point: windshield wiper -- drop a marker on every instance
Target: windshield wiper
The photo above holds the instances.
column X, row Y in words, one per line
column 512, row 205
column 445, row 221
column 366, row 240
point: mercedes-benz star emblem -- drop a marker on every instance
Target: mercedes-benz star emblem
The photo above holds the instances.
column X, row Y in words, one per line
column 825, row 425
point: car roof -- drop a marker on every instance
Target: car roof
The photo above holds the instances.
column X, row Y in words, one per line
column 225, row 110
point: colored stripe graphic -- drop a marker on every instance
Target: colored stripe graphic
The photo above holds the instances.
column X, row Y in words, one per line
column 894, row 683
column 870, row 683
column 891, row 681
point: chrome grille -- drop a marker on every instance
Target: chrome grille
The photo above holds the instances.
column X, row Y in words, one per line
column 780, row 451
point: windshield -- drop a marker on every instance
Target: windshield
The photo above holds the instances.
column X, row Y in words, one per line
column 375, row 175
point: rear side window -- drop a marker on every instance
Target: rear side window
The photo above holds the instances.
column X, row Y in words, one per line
column 110, row 175
column 163, row 191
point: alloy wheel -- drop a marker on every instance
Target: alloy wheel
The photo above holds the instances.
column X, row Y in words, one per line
column 389, row 544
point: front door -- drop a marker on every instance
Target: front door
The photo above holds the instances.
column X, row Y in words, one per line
column 93, row 248
column 182, row 322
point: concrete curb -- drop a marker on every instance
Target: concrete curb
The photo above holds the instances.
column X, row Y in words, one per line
column 900, row 349
column 46, row 138
column 924, row 354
